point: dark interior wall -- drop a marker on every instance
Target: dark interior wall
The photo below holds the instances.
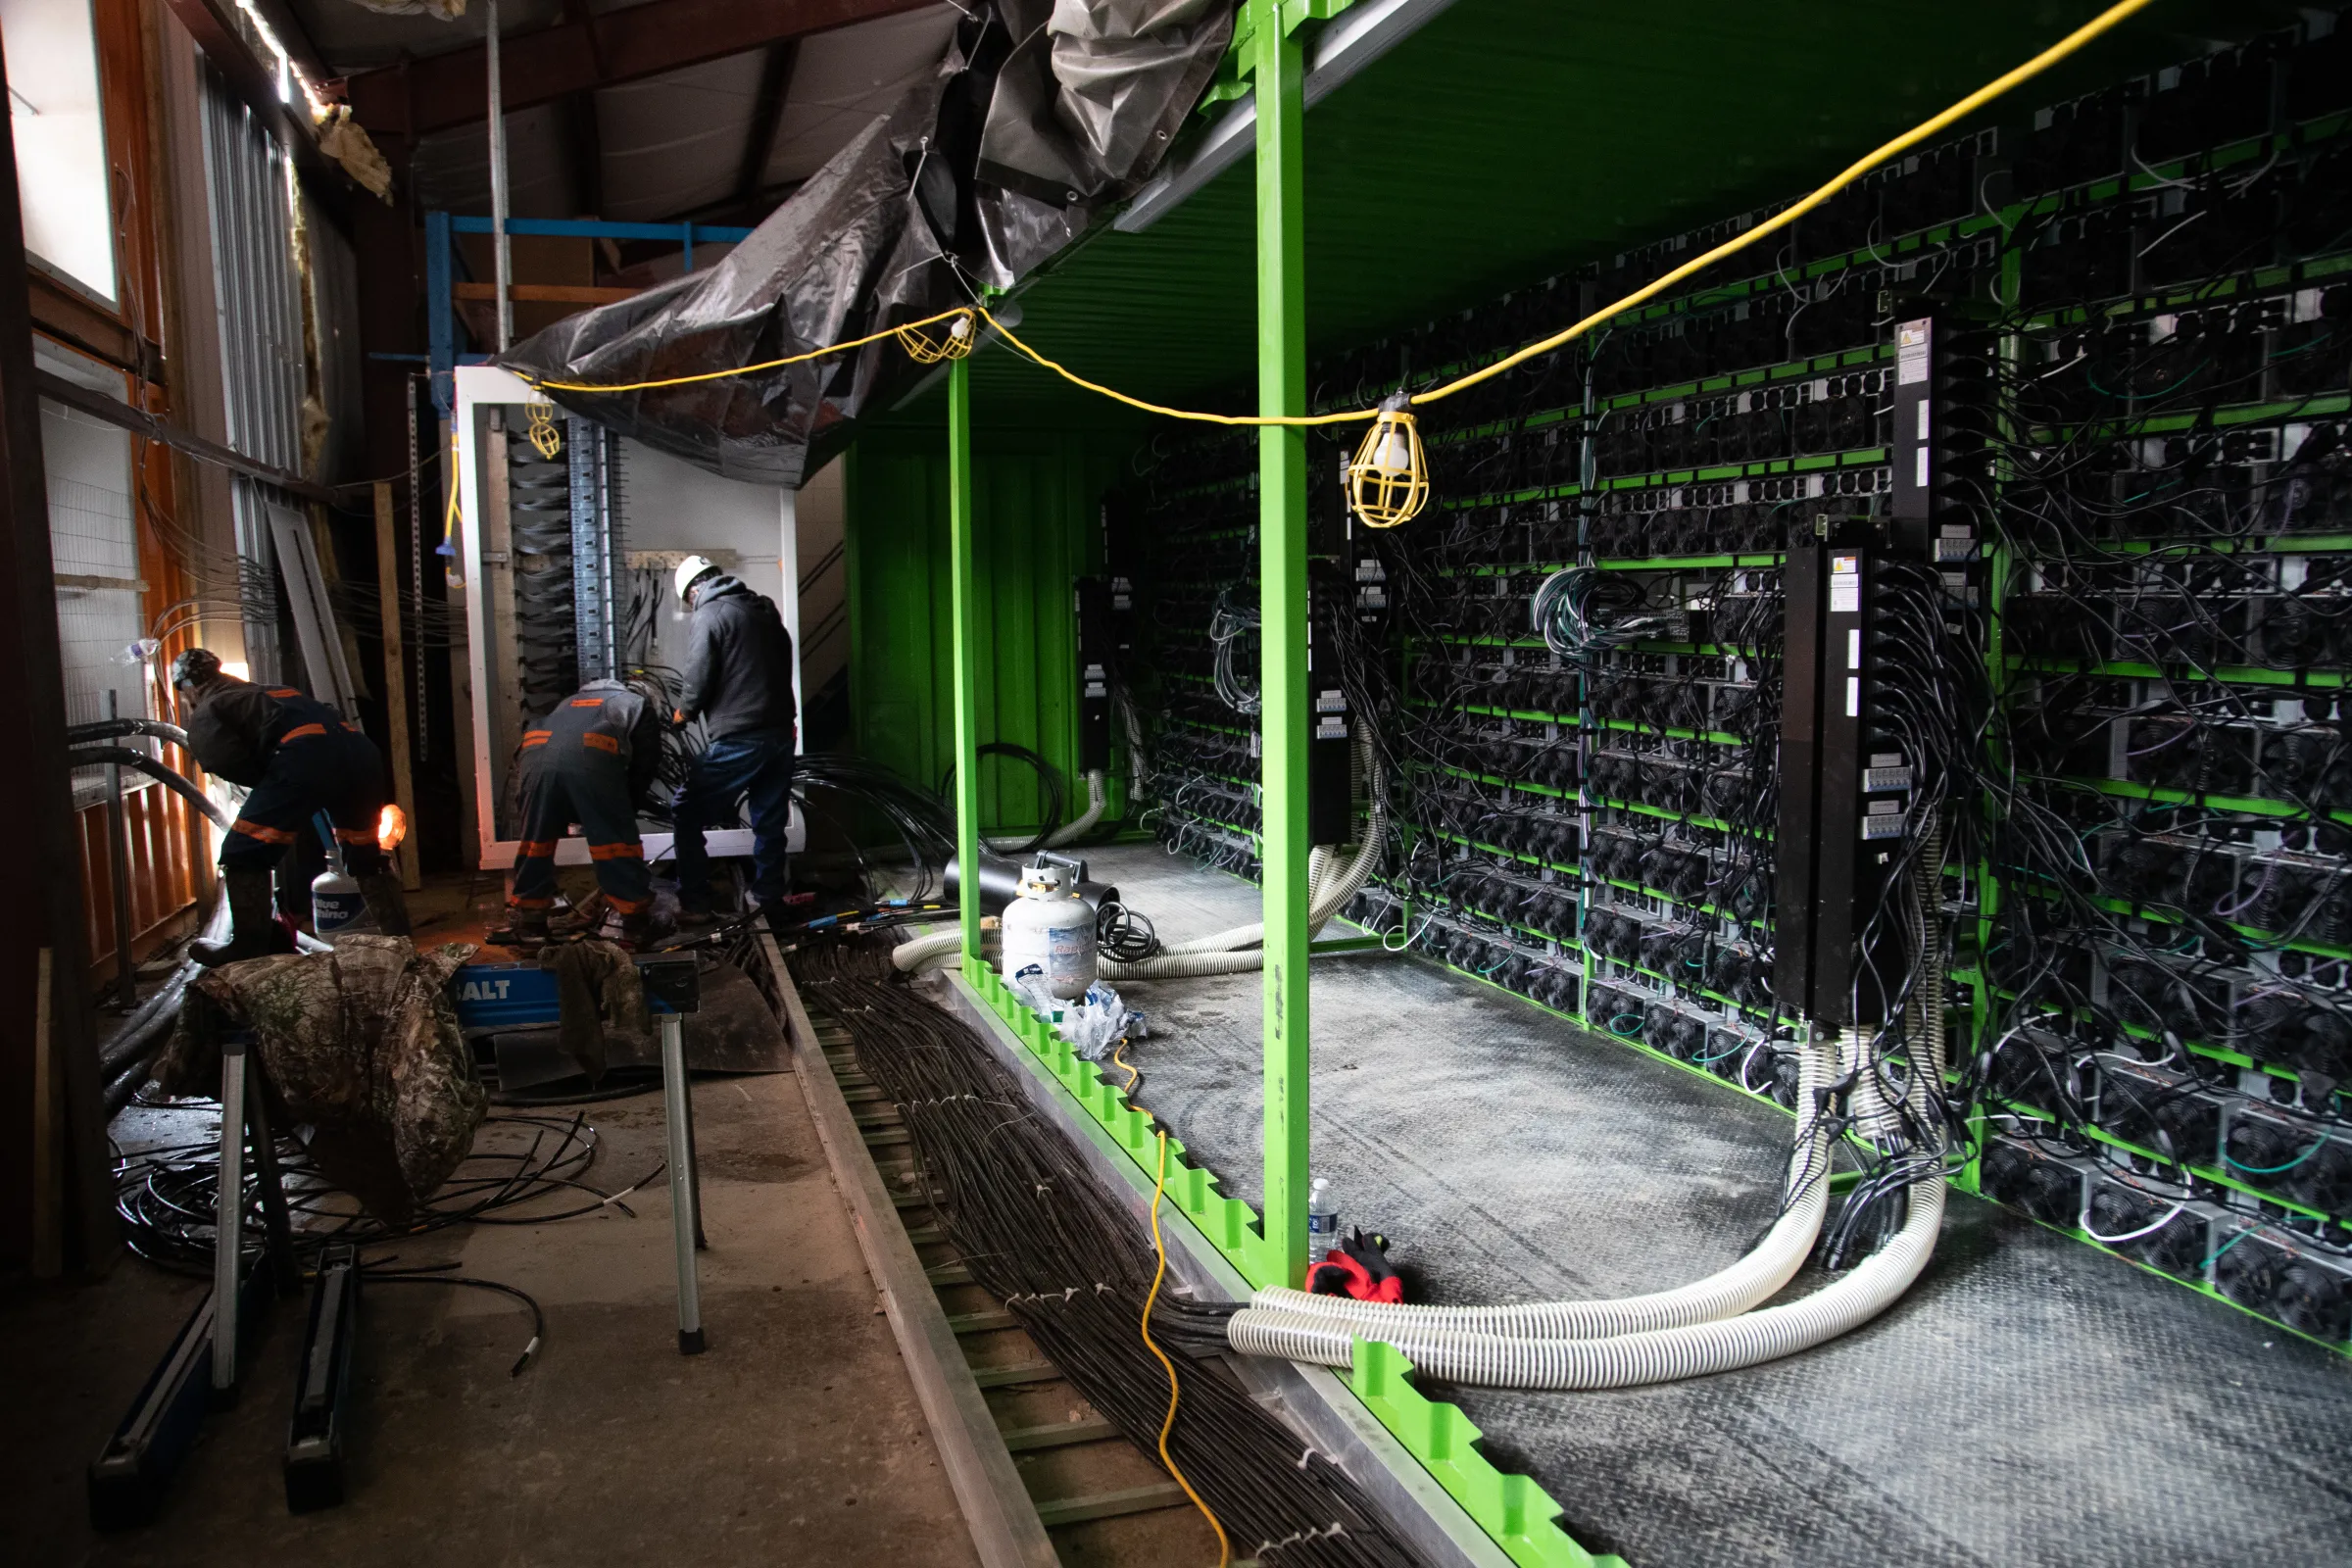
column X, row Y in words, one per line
column 1035, row 509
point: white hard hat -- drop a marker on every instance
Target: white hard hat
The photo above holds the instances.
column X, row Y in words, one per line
column 690, row 569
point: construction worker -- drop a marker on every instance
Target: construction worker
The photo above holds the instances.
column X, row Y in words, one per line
column 590, row 762
column 739, row 683
column 296, row 757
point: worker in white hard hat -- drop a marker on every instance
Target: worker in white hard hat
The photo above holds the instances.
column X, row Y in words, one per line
column 738, row 684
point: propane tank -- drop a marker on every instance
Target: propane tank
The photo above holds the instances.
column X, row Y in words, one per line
column 1050, row 926
column 336, row 907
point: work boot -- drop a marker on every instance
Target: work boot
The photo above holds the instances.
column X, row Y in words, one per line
column 525, row 928
column 625, row 931
column 385, row 900
column 253, row 931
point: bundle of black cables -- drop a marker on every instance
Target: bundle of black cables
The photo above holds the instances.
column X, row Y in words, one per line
column 924, row 825
column 1122, row 934
column 167, row 1200
column 1041, row 1232
column 1048, row 784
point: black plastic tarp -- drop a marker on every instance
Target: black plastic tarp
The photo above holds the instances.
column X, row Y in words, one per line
column 1043, row 116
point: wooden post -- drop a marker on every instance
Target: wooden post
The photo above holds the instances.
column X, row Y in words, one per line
column 396, row 678
column 45, row 909
column 48, row 1148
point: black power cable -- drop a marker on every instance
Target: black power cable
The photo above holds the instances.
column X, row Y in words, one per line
column 1049, row 781
column 1041, row 1232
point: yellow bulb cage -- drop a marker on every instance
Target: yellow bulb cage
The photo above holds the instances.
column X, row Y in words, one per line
column 925, row 349
column 1387, row 483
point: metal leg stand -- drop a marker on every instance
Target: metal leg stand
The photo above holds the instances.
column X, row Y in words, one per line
column 276, row 1225
column 684, row 1199
column 228, row 1237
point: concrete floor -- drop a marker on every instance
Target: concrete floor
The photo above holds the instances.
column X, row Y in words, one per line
column 797, row 1439
column 2031, row 1400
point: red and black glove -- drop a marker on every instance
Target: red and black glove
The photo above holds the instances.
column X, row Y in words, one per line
column 1357, row 1267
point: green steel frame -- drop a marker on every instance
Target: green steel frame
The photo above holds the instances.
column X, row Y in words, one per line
column 1271, row 1248
column 965, row 611
column 1278, row 70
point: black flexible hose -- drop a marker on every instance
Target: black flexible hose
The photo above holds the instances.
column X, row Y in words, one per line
column 100, row 755
column 106, row 729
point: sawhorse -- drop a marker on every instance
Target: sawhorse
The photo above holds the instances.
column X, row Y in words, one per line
column 494, row 997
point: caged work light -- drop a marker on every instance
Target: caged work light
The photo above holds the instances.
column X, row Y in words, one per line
column 924, row 349
column 1387, row 483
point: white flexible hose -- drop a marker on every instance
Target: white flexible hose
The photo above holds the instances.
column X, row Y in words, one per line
column 1324, row 1330
column 1183, row 965
column 1098, row 795
column 1658, row 1355
column 1324, row 899
column 925, row 953
column 1754, row 1278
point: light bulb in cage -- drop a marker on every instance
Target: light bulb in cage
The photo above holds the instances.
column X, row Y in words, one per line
column 1387, row 483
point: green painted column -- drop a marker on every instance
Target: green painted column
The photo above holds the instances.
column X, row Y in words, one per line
column 964, row 609
column 1276, row 66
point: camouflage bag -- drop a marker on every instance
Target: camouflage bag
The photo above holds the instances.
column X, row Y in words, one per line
column 361, row 1045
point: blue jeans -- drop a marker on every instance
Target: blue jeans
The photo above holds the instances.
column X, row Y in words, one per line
column 754, row 766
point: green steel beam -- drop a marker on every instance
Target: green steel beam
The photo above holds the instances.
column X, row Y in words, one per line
column 1276, row 65
column 965, row 611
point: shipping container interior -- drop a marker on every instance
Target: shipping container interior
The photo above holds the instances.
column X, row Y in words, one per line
column 1558, row 785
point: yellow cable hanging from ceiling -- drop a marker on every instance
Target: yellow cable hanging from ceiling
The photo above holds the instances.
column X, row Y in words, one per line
column 1396, row 490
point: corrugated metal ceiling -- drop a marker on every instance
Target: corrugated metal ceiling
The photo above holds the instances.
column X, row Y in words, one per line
column 670, row 145
column 1513, row 140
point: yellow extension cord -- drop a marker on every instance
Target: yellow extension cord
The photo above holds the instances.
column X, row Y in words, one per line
column 927, row 350
column 1160, row 1187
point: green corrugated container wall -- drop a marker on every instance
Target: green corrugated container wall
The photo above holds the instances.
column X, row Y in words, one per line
column 1037, row 500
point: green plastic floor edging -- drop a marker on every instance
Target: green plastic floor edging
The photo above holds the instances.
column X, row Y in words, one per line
column 1517, row 1514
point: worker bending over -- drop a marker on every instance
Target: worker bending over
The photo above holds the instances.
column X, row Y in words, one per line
column 739, row 683
column 297, row 757
column 590, row 762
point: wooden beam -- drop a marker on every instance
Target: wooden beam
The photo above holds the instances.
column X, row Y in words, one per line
column 55, row 387
column 583, row 133
column 62, row 311
column 988, row 1486
column 396, row 678
column 547, row 293
column 767, row 113
column 580, row 55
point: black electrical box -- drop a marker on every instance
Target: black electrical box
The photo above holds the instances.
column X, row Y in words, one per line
column 1097, row 653
column 1331, row 745
column 1845, row 791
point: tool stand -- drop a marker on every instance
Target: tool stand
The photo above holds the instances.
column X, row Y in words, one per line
column 492, row 998
column 201, row 1371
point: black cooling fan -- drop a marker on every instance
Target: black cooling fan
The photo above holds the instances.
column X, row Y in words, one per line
column 2177, row 1246
column 2313, row 1299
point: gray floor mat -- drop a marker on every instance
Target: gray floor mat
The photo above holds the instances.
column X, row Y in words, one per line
column 2031, row 1401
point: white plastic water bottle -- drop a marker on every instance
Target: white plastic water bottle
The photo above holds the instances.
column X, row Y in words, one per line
column 1322, row 1221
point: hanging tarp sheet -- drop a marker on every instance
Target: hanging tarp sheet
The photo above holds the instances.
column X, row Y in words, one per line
column 1044, row 115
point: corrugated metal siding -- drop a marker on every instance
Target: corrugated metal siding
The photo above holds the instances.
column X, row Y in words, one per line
column 1035, row 510
column 166, row 838
column 259, row 294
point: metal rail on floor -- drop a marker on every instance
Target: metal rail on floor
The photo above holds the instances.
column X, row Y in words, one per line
column 955, row 1357
column 1005, row 1525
